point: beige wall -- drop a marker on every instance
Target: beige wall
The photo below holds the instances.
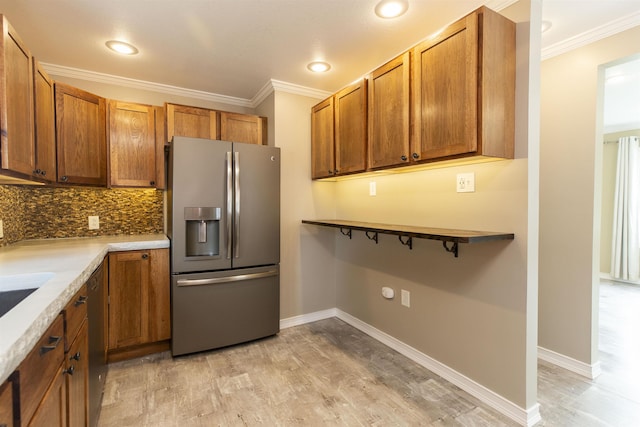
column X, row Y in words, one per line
column 570, row 196
column 307, row 279
column 609, row 168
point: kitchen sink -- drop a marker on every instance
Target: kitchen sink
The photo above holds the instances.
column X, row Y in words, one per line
column 16, row 287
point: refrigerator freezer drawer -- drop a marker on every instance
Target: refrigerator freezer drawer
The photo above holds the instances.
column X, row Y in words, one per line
column 218, row 309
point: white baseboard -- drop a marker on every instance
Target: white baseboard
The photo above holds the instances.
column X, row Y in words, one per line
column 307, row 318
column 525, row 417
column 606, row 277
column 590, row 371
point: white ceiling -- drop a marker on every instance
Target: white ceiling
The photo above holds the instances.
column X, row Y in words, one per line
column 235, row 47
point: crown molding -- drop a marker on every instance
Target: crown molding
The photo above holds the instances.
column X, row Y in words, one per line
column 593, row 35
column 273, row 85
column 93, row 76
column 263, row 93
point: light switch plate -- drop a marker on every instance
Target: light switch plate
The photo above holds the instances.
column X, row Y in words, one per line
column 1, row 230
column 466, row 182
column 372, row 188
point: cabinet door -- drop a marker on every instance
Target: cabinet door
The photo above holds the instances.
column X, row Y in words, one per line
column 128, row 298
column 6, row 404
column 77, row 376
column 81, row 136
column 243, row 128
column 17, row 150
column 52, row 411
column 389, row 99
column 132, row 145
column 139, row 298
column 45, row 125
column 322, row 140
column 159, row 316
column 445, row 92
column 192, row 122
column 351, row 128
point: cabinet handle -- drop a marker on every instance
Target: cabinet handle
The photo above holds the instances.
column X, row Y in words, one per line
column 64, row 178
column 415, row 156
column 75, row 356
column 81, row 300
column 70, row 370
column 145, row 256
column 403, row 158
column 53, row 343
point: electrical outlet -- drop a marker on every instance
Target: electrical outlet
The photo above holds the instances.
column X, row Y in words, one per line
column 465, row 182
column 94, row 222
column 405, row 298
column 372, row 188
column 1, row 230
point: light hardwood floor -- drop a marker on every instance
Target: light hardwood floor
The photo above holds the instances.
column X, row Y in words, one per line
column 329, row 373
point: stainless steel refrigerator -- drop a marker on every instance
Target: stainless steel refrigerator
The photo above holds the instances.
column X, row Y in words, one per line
column 224, row 227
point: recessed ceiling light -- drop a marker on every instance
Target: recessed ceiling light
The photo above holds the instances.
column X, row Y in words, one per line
column 319, row 66
column 122, row 48
column 545, row 26
column 391, row 8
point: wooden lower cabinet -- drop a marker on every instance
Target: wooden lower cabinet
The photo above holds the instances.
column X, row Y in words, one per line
column 139, row 305
column 6, row 404
column 52, row 410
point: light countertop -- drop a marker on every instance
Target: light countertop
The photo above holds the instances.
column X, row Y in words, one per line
column 71, row 261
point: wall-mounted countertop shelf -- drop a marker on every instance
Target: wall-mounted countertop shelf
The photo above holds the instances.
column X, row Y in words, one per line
column 406, row 233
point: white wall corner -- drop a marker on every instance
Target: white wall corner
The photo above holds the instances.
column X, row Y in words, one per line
column 590, row 371
column 273, row 85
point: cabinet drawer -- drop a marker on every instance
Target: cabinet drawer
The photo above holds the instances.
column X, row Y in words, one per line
column 38, row 369
column 74, row 314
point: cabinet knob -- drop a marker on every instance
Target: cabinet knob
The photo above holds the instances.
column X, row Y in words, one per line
column 81, row 300
column 64, row 178
column 145, row 256
column 44, row 173
column 403, row 158
column 337, row 171
column 75, row 356
column 37, row 172
column 70, row 370
column 415, row 156
column 152, row 183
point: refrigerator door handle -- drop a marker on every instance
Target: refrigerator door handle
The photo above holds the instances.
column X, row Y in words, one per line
column 236, row 203
column 229, row 219
column 217, row 280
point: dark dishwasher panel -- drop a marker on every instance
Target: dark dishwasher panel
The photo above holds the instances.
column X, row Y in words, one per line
column 97, row 342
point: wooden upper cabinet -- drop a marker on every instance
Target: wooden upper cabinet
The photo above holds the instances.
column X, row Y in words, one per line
column 17, row 149
column 132, row 145
column 243, row 128
column 351, row 128
column 45, row 125
column 464, row 89
column 81, row 136
column 388, row 108
column 192, row 122
column 322, row 140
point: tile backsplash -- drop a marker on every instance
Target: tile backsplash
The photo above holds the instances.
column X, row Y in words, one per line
column 42, row 212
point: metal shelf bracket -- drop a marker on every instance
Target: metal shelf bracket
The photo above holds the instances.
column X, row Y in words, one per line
column 408, row 242
column 374, row 237
column 347, row 233
column 453, row 249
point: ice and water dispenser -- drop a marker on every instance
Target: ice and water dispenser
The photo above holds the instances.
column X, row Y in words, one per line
column 203, row 231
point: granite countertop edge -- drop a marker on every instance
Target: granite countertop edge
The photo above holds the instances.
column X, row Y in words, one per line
column 72, row 261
